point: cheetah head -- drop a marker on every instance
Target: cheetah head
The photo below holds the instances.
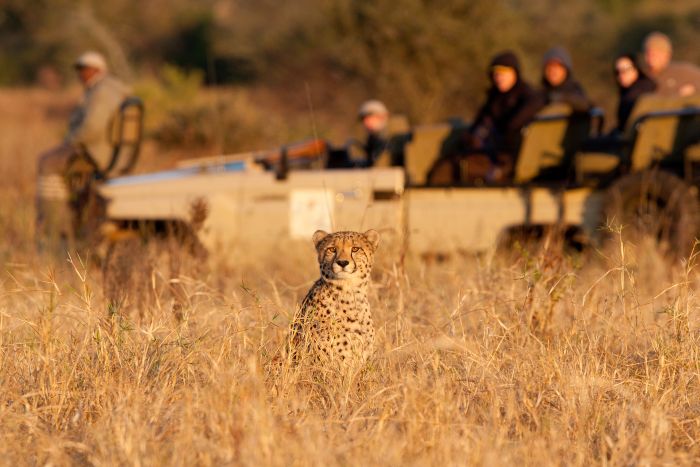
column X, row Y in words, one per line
column 346, row 255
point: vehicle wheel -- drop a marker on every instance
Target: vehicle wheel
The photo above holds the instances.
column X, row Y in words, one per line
column 656, row 205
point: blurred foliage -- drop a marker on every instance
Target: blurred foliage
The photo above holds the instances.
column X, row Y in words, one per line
column 425, row 58
column 181, row 114
column 173, row 90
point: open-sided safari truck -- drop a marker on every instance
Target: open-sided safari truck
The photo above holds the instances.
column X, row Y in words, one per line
column 645, row 179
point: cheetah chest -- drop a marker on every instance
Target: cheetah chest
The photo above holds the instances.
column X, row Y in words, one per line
column 339, row 321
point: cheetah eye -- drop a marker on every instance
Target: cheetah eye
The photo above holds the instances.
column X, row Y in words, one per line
column 331, row 249
column 355, row 249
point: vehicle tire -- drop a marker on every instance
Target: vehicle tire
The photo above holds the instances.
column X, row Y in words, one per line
column 655, row 204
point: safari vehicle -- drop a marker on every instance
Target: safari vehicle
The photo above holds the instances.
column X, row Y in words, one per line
column 647, row 179
column 643, row 180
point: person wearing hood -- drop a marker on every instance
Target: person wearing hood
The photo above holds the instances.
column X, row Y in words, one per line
column 511, row 103
column 559, row 83
column 632, row 83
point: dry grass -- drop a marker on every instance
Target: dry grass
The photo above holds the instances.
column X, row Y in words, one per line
column 536, row 360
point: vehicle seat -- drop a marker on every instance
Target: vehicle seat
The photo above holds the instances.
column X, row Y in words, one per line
column 593, row 164
column 687, row 141
column 398, row 130
column 126, row 133
column 656, row 131
column 549, row 143
column 423, row 149
column 652, row 133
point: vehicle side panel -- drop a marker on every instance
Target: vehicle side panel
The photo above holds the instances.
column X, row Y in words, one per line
column 473, row 219
column 254, row 208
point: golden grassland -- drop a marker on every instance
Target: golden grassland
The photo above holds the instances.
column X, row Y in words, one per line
column 548, row 358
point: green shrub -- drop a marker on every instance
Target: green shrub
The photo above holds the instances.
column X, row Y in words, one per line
column 181, row 113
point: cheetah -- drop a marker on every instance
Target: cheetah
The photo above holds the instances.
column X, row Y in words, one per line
column 334, row 322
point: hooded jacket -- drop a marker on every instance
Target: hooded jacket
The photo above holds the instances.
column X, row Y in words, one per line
column 500, row 119
column 629, row 96
column 570, row 91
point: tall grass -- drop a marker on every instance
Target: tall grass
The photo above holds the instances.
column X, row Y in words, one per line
column 536, row 359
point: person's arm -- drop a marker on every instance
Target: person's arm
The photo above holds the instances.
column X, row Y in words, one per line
column 75, row 122
column 690, row 84
column 531, row 103
column 482, row 125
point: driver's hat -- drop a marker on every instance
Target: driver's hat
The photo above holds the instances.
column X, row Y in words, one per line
column 91, row 59
column 372, row 107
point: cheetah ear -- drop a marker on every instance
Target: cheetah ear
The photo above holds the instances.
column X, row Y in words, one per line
column 373, row 237
column 318, row 236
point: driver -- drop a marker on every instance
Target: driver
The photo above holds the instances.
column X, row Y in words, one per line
column 374, row 117
column 87, row 131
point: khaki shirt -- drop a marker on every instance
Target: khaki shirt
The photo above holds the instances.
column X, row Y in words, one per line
column 90, row 123
column 677, row 78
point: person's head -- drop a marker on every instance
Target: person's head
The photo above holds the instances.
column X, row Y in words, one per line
column 556, row 66
column 504, row 71
column 657, row 52
column 89, row 66
column 374, row 115
column 626, row 70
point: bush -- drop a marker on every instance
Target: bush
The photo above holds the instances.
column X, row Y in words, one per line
column 180, row 113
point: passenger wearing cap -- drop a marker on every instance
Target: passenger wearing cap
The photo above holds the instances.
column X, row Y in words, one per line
column 488, row 150
column 88, row 134
column 672, row 78
column 374, row 117
column 559, row 83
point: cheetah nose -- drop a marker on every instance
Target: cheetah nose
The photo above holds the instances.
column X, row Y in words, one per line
column 343, row 262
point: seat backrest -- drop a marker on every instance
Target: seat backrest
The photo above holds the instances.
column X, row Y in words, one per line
column 657, row 128
column 550, row 141
column 126, row 133
column 423, row 149
column 688, row 130
column 398, row 124
column 398, row 128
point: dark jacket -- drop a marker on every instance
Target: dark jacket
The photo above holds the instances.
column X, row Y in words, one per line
column 570, row 91
column 629, row 96
column 375, row 145
column 501, row 118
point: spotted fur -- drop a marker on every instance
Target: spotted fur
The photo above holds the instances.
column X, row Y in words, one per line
column 334, row 321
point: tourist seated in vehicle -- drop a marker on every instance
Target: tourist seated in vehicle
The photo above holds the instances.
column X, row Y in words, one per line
column 487, row 151
column 632, row 83
column 672, row 78
column 559, row 83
